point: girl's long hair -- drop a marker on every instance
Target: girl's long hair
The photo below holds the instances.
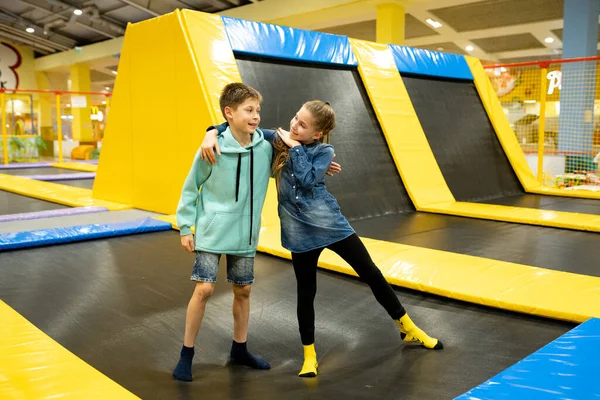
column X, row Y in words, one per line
column 324, row 117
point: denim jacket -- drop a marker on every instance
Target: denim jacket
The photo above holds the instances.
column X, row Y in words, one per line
column 310, row 216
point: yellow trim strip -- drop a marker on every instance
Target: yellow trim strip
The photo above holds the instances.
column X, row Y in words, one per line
column 76, row 166
column 55, row 193
column 33, row 366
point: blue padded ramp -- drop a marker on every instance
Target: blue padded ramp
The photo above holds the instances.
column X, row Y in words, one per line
column 21, row 240
column 267, row 40
column 567, row 368
column 431, row 63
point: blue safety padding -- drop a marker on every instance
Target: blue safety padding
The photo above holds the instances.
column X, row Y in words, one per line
column 20, row 240
column 274, row 41
column 431, row 63
column 567, row 368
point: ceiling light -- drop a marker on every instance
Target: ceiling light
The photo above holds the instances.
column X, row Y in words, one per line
column 502, row 69
column 30, row 30
column 549, row 40
column 529, row 101
column 114, row 72
column 433, row 23
column 77, row 12
column 440, row 48
column 107, row 88
column 469, row 48
column 68, row 105
column 104, row 102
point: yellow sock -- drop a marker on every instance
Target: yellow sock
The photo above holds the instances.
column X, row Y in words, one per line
column 309, row 368
column 415, row 334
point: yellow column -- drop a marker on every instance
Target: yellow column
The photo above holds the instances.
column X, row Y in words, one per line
column 59, row 129
column 540, row 174
column 390, row 23
column 4, row 137
column 81, row 123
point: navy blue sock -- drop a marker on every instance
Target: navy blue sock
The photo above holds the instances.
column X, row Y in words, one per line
column 183, row 370
column 241, row 355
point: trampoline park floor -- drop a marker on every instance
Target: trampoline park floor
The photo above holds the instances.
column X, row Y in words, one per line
column 119, row 304
column 11, row 203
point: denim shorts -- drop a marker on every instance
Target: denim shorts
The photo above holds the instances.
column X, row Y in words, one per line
column 240, row 270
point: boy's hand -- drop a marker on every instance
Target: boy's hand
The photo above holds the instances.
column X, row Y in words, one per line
column 209, row 146
column 334, row 168
column 285, row 136
column 187, row 242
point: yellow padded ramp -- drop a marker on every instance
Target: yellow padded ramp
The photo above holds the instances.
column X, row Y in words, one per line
column 151, row 140
column 415, row 161
column 55, row 193
column 76, row 166
column 33, row 366
column 509, row 141
column 499, row 284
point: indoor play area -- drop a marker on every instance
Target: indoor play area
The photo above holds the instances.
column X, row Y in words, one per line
column 496, row 257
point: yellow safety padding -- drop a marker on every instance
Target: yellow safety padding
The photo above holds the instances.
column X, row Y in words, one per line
column 499, row 284
column 76, row 166
column 158, row 128
column 55, row 193
column 34, row 366
column 531, row 216
column 114, row 178
column 406, row 140
column 508, row 139
column 509, row 286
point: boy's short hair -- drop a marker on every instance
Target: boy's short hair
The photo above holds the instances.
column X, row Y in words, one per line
column 235, row 94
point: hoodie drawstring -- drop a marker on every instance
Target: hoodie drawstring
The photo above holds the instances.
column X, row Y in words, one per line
column 237, row 177
column 251, row 192
column 237, row 186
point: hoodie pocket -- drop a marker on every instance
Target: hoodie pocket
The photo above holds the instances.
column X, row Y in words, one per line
column 226, row 232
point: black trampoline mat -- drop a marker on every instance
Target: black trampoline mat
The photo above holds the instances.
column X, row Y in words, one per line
column 124, row 314
column 80, row 183
column 11, row 203
column 375, row 187
column 468, row 151
column 38, row 171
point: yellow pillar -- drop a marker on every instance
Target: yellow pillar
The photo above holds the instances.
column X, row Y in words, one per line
column 81, row 123
column 390, row 23
column 44, row 106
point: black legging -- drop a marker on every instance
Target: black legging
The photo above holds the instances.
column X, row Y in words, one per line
column 353, row 251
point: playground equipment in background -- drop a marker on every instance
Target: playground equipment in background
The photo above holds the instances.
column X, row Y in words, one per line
column 49, row 130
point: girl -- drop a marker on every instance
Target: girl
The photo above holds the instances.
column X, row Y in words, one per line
column 311, row 221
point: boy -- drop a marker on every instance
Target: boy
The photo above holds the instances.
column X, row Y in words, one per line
column 226, row 214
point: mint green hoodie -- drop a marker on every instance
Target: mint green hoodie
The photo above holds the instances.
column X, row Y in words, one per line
column 226, row 211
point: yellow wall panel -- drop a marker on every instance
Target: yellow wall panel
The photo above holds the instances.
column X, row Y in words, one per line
column 114, row 177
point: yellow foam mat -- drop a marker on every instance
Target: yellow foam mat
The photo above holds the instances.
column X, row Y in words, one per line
column 509, row 286
column 55, row 193
column 76, row 166
column 532, row 216
column 508, row 139
column 34, row 366
column 415, row 161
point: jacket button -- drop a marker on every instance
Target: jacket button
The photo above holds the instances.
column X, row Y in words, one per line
column 292, row 174
column 296, row 197
column 293, row 187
